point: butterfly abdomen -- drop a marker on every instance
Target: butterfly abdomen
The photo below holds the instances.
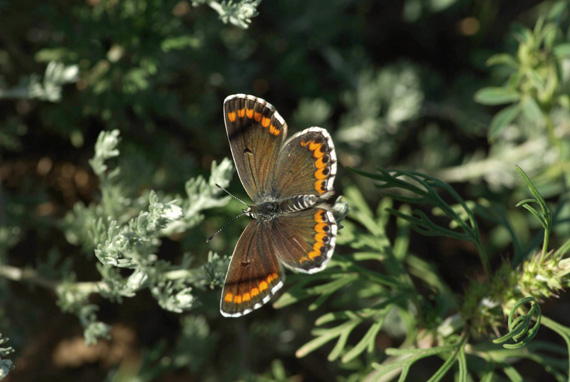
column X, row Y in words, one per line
column 299, row 203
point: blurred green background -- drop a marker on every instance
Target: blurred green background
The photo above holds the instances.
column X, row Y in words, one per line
column 392, row 81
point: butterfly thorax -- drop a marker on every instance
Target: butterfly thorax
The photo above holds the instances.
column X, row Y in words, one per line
column 271, row 209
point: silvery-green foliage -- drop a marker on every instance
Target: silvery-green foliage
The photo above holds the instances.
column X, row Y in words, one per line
column 379, row 104
column 125, row 232
column 238, row 13
column 5, row 364
column 48, row 89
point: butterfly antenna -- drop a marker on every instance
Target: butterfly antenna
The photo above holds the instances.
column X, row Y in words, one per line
column 230, row 194
column 225, row 225
column 232, row 219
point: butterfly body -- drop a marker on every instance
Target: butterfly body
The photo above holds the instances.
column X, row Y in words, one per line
column 270, row 210
column 289, row 182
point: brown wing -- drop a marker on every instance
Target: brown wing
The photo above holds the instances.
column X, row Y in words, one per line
column 306, row 165
column 256, row 133
column 254, row 274
column 305, row 240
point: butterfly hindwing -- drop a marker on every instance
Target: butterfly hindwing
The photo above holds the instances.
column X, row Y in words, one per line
column 305, row 241
column 254, row 273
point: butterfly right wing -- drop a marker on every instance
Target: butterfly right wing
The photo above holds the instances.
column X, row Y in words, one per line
column 305, row 240
column 306, row 165
column 256, row 133
column 254, row 274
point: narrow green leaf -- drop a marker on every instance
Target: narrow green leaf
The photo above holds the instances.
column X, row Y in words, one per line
column 496, row 96
column 502, row 119
column 341, row 343
column 314, row 344
column 364, row 342
column 536, row 194
column 536, row 214
column 512, row 373
column 442, row 371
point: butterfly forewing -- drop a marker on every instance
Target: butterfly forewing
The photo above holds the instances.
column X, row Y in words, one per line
column 254, row 274
column 306, row 165
column 256, row 132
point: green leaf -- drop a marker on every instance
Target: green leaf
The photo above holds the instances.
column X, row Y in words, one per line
column 179, row 43
column 546, row 218
column 503, row 59
column 535, row 79
column 531, row 110
column 521, row 326
column 502, row 119
column 562, row 50
column 557, row 10
column 367, row 341
column 496, row 96
column 325, row 335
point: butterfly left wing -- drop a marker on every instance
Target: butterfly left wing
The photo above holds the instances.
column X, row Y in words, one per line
column 254, row 274
column 256, row 133
column 305, row 240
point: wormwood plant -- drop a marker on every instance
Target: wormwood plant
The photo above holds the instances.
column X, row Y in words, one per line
column 456, row 329
column 532, row 104
column 537, row 81
column 5, row 364
column 124, row 230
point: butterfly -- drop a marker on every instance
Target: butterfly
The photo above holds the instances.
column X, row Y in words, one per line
column 289, row 181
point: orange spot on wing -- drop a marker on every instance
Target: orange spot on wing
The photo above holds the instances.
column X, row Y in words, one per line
column 229, row 297
column 314, row 146
column 237, row 299
column 246, row 297
column 320, row 227
column 265, row 122
column 241, row 113
column 305, row 144
column 319, row 236
column 254, row 292
column 317, row 246
column 303, row 259
column 313, row 254
column 320, row 164
column 257, row 116
column 232, row 116
column 273, row 130
column 317, row 153
column 275, row 276
column 249, row 113
column 319, row 174
column 263, row 286
column 269, row 279
column 319, row 216
column 319, row 186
